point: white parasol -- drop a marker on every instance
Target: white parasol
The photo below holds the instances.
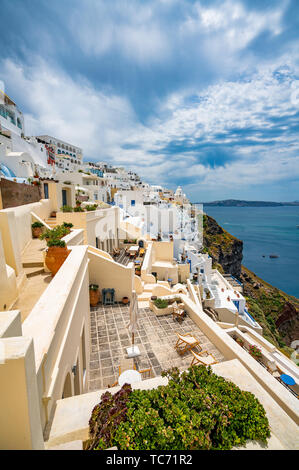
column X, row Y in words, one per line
column 132, row 327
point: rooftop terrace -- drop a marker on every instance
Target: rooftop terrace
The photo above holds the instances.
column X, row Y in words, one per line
column 155, row 337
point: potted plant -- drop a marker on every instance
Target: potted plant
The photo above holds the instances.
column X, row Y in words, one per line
column 94, row 295
column 37, row 229
column 66, row 209
column 78, row 203
column 91, row 207
column 67, row 226
column 78, row 209
column 56, row 254
column 255, row 352
column 125, row 300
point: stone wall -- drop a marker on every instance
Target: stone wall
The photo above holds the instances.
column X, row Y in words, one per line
column 17, row 194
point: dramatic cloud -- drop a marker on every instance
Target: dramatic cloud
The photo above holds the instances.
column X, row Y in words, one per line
column 201, row 93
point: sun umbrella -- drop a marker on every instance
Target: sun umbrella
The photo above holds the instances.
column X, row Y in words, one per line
column 287, row 379
column 132, row 327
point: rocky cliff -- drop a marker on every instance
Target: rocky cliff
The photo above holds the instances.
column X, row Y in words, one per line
column 225, row 250
column 276, row 311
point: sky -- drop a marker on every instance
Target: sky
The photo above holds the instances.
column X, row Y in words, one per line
column 202, row 94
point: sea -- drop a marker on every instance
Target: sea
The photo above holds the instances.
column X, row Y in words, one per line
column 266, row 231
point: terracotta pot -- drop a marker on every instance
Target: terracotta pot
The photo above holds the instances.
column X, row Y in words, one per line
column 125, row 300
column 55, row 257
column 37, row 231
column 94, row 297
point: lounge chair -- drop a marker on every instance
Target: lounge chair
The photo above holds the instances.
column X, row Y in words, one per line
column 185, row 343
column 204, row 360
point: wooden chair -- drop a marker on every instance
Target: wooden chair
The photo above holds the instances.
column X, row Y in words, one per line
column 125, row 364
column 146, row 373
column 178, row 312
column 185, row 343
column 204, row 360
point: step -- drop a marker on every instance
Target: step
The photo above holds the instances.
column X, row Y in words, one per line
column 33, row 271
column 32, row 264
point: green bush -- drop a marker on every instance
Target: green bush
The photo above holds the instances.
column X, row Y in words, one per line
column 56, row 242
column 67, row 224
column 78, row 209
column 66, row 209
column 161, row 303
column 37, row 225
column 90, row 207
column 56, row 233
column 197, row 410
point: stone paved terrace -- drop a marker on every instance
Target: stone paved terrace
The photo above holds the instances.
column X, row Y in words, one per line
column 155, row 338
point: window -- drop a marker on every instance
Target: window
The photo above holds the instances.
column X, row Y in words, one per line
column 132, row 202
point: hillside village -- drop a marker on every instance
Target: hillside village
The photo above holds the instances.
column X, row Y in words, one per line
column 102, row 274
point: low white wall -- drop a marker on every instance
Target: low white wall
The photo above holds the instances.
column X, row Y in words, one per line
column 108, row 274
column 56, row 324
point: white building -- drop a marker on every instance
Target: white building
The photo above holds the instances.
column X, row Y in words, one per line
column 11, row 118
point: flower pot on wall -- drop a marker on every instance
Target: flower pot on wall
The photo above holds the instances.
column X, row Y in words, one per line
column 125, row 300
column 36, row 232
column 55, row 257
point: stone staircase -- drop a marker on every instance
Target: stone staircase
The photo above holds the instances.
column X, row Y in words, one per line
column 37, row 279
column 32, row 258
column 51, row 221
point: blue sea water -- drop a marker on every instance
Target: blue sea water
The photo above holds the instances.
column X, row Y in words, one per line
column 265, row 231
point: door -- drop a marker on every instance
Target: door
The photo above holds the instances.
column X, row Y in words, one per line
column 64, row 198
column 46, row 190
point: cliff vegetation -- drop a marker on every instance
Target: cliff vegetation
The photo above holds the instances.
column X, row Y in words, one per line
column 276, row 311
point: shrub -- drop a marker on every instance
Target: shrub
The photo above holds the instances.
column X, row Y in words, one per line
column 67, row 224
column 161, row 303
column 255, row 352
column 66, row 209
column 240, row 341
column 78, row 209
column 56, row 242
column 37, row 225
column 56, row 233
column 197, row 410
column 91, row 207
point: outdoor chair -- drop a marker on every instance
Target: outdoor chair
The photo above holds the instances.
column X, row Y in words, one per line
column 185, row 343
column 125, row 364
column 203, row 360
column 146, row 373
column 178, row 312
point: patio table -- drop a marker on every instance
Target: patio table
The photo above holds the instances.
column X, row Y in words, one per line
column 129, row 377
